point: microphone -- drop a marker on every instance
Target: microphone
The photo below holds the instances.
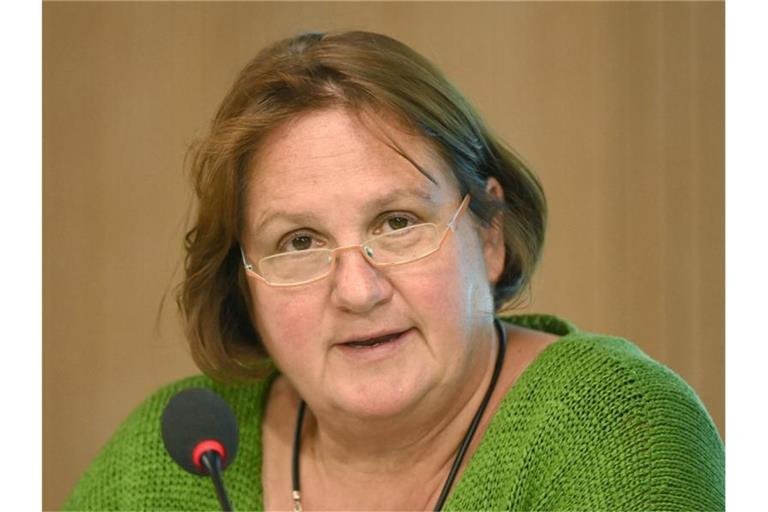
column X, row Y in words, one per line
column 200, row 433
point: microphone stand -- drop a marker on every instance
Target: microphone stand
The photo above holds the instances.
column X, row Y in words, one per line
column 212, row 463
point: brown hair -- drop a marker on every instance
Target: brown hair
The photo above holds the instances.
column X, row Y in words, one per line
column 360, row 71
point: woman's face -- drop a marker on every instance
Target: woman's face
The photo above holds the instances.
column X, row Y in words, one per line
column 326, row 181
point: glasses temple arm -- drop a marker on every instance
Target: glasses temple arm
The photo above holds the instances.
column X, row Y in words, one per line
column 452, row 223
column 247, row 265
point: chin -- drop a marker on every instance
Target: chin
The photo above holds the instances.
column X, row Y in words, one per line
column 379, row 398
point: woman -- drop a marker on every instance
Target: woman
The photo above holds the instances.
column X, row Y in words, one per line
column 358, row 227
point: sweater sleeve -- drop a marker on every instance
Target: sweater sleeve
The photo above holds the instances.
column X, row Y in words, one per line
column 133, row 472
column 687, row 457
column 640, row 439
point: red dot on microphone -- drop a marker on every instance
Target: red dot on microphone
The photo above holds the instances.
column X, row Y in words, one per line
column 207, row 446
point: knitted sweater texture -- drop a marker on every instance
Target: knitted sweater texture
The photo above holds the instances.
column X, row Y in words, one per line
column 592, row 424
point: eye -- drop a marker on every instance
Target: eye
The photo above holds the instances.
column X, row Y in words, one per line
column 398, row 222
column 391, row 222
column 300, row 242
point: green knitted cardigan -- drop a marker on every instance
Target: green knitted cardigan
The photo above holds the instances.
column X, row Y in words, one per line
column 592, row 424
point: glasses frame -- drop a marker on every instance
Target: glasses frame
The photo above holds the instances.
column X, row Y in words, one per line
column 450, row 227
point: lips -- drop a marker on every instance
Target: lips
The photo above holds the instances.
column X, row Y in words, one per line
column 372, row 342
column 367, row 341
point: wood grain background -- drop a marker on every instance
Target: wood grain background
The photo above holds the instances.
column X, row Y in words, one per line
column 618, row 106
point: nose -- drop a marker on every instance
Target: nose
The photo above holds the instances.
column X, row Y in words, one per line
column 358, row 286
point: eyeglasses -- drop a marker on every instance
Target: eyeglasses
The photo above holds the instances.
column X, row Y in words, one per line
column 394, row 248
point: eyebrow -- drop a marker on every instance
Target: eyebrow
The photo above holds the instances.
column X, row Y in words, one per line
column 379, row 203
column 399, row 193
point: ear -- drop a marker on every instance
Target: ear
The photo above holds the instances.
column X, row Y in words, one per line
column 493, row 237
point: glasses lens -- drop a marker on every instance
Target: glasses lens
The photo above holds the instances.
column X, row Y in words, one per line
column 295, row 267
column 403, row 245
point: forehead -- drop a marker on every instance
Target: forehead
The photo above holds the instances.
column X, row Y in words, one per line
column 332, row 155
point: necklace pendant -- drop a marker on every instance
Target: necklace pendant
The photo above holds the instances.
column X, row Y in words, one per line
column 296, row 501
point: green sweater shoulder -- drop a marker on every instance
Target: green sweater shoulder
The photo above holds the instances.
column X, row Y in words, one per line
column 596, row 424
column 134, row 472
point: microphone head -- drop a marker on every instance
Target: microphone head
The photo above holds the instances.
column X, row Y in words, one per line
column 194, row 421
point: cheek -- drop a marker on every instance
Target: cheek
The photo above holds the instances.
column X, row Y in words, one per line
column 452, row 290
column 284, row 319
column 440, row 291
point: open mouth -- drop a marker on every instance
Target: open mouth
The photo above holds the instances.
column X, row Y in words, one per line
column 373, row 342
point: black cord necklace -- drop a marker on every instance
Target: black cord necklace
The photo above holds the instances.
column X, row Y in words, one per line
column 296, row 494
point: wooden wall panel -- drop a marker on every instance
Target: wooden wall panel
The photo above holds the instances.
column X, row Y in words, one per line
column 618, row 106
